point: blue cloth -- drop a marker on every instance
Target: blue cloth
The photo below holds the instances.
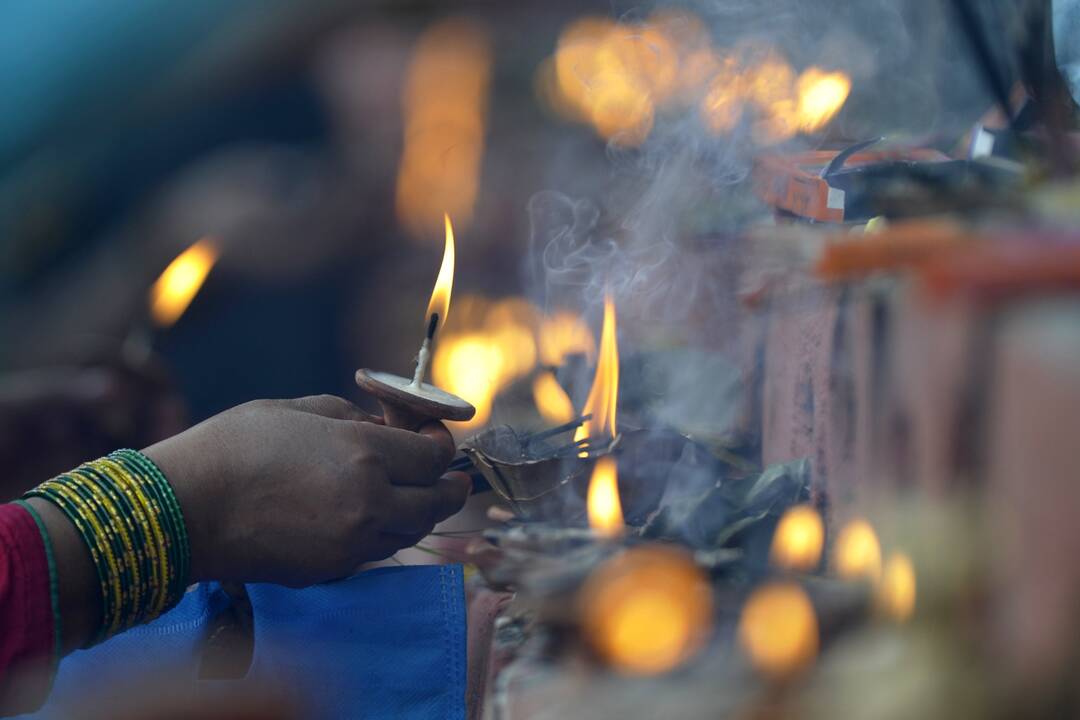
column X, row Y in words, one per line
column 388, row 643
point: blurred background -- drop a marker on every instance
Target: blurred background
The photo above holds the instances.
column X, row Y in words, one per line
column 306, row 152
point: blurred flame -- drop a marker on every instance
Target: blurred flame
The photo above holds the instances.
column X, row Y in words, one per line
column 494, row 351
column 782, row 103
column 444, row 102
column 551, row 400
column 444, row 283
column 562, row 334
column 605, row 509
column 177, row 286
column 821, row 95
column 799, row 537
column 896, row 592
column 604, row 394
column 647, row 611
column 778, row 629
column 857, row 553
column 469, row 366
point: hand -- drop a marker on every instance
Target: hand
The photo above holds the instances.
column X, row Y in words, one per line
column 302, row 491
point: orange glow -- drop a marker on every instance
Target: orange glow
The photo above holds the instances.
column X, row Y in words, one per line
column 604, row 395
column 445, row 102
column 857, row 553
column 783, row 104
column 551, row 400
column 562, row 334
column 895, row 597
column 799, row 538
column 778, row 629
column 496, row 346
column 444, row 283
column 821, row 95
column 605, row 509
column 177, row 286
column 647, row 611
column 469, row 366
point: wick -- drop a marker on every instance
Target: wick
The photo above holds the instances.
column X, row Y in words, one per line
column 424, row 356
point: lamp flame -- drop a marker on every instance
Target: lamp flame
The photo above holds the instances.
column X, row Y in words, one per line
column 821, row 95
column 647, row 610
column 857, row 554
column 778, row 629
column 605, row 509
column 604, row 394
column 895, row 596
column 551, row 400
column 799, row 537
column 180, row 282
column 439, row 305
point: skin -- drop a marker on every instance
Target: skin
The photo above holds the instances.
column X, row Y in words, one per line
column 293, row 492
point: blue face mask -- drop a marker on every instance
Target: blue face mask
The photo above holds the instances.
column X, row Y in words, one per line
column 388, row 643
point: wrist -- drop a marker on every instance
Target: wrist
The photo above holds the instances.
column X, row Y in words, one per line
column 195, row 497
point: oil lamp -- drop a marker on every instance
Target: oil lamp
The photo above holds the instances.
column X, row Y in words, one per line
column 409, row 403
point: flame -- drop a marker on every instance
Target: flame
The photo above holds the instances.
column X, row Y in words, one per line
column 496, row 347
column 767, row 87
column 799, row 537
column 647, row 611
column 821, row 95
column 604, row 394
column 857, row 553
column 562, row 334
column 551, row 400
column 180, row 282
column 895, row 596
column 778, row 629
column 445, row 102
column 605, row 510
column 469, row 366
column 439, row 304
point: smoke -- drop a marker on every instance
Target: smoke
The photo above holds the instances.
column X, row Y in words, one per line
column 661, row 232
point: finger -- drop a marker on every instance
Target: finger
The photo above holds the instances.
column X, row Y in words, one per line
column 332, row 406
column 416, row 510
column 411, row 458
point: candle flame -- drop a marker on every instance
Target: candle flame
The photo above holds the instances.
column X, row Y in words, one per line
column 551, row 400
column 895, row 595
column 799, row 537
column 857, row 554
column 444, row 283
column 647, row 610
column 180, row 282
column 778, row 629
column 604, row 394
column 605, row 510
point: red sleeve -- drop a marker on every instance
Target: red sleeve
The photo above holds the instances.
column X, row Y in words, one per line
column 27, row 633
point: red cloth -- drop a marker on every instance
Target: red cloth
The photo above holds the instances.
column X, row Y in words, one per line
column 26, row 613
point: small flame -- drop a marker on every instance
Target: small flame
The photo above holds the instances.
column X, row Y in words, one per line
column 562, row 334
column 896, row 592
column 604, row 394
column 444, row 283
column 778, row 629
column 647, row 610
column 180, row 282
column 799, row 537
column 857, row 554
column 821, row 95
column 551, row 400
column 605, row 510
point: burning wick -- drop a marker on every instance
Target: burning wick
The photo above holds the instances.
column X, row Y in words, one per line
column 438, row 306
column 423, row 358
